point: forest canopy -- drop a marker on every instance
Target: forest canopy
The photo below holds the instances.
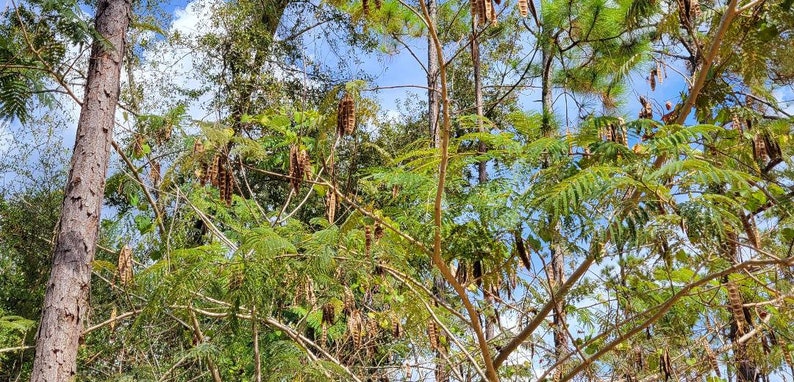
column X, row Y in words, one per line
column 397, row 190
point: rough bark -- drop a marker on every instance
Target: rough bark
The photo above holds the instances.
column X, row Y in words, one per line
column 66, row 300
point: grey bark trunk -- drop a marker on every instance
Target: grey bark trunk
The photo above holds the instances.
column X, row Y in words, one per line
column 66, row 300
column 433, row 92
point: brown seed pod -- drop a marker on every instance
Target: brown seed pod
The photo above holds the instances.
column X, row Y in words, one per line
column 355, row 326
column 372, row 328
column 368, row 241
column 461, row 275
column 647, row 111
column 296, row 164
column 772, row 148
column 137, row 146
column 477, row 269
column 330, row 206
column 198, row 147
column 348, row 302
column 492, row 15
column 324, row 333
column 377, row 4
column 328, row 313
column 665, row 366
column 712, row 359
column 694, row 9
column 378, row 233
column 124, row 265
column 487, row 11
column 786, row 353
column 113, row 319
column 229, row 186
column 474, row 9
column 432, row 334
column 396, row 328
column 523, row 7
column 668, row 105
column 212, row 173
column 652, row 79
column 735, row 305
column 760, row 152
column 365, row 7
column 154, row 172
column 221, row 182
column 521, row 249
column 346, row 116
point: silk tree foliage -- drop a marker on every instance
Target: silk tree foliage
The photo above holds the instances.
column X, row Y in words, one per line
column 665, row 226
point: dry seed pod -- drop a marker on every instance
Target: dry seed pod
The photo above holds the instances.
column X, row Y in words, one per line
column 346, row 116
column 378, row 234
column 365, row 7
column 432, row 334
column 474, row 5
column 665, row 366
column 694, row 9
column 330, row 206
column 488, row 11
column 137, row 146
column 367, row 241
column 324, row 333
column 461, row 274
column 124, row 265
column 492, row 16
column 113, row 319
column 154, row 172
column 772, row 148
column 786, row 354
column 372, row 328
column 198, row 147
column 652, row 79
column 646, row 112
column 377, row 4
column 521, row 249
column 396, row 328
column 712, row 359
column 295, row 167
column 735, row 305
column 355, row 326
column 229, row 185
column 759, row 148
column 349, row 302
column 212, row 174
column 221, row 181
column 328, row 313
column 668, row 105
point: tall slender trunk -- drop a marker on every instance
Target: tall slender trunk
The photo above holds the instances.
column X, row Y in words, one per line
column 482, row 173
column 433, row 92
column 66, row 300
column 557, row 255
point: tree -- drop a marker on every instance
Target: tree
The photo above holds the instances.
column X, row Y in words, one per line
column 66, row 299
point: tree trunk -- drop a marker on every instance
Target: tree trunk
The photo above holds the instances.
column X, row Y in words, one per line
column 433, row 93
column 66, row 301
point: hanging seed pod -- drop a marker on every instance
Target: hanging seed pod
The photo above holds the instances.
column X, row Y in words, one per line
column 229, row 186
column 377, row 4
column 368, row 241
column 652, row 79
column 474, row 6
column 124, row 265
column 735, row 305
column 460, row 273
column 492, row 16
column 395, row 190
column 378, row 234
column 346, row 116
column 154, row 172
column 665, row 366
column 772, row 148
column 639, row 359
column 212, row 173
column 137, row 146
column 198, row 147
column 113, row 314
column 647, row 111
column 372, row 328
column 295, row 167
column 659, row 71
column 759, row 148
column 477, row 269
column 786, row 353
column 311, row 298
column 694, row 9
column 712, row 358
column 521, row 249
column 432, row 334
column 221, row 182
column 328, row 313
column 355, row 326
column 396, row 328
column 348, row 302
column 668, row 105
column 487, row 11
column 330, row 206
column 523, row 7
column 608, row 136
column 365, row 7
column 324, row 333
